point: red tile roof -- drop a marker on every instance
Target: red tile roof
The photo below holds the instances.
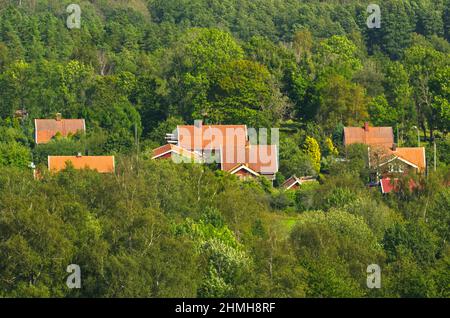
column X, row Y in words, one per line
column 413, row 156
column 103, row 164
column 381, row 136
column 290, row 182
column 260, row 158
column 211, row 136
column 46, row 129
column 263, row 158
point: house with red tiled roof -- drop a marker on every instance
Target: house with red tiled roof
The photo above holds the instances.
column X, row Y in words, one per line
column 402, row 159
column 262, row 159
column 101, row 164
column 293, row 183
column 371, row 136
column 226, row 145
column 46, row 129
column 385, row 159
column 389, row 164
column 397, row 160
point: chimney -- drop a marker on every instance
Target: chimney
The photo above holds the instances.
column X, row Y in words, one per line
column 366, row 126
column 394, row 147
column 58, row 116
column 198, row 123
column 197, row 139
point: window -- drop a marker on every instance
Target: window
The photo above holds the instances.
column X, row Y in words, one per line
column 395, row 168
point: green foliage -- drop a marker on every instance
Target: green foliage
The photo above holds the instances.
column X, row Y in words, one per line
column 243, row 91
column 14, row 154
column 377, row 215
column 227, row 267
column 408, row 279
column 340, row 101
column 226, row 263
column 337, row 54
column 312, row 149
column 427, row 67
column 166, row 127
column 395, row 34
column 283, row 200
column 323, row 241
column 356, row 163
column 382, row 113
column 411, row 237
column 294, row 161
column 305, row 196
column 330, row 149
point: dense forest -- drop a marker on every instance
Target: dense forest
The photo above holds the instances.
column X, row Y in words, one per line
column 136, row 69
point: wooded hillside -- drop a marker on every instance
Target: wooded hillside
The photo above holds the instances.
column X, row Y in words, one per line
column 136, row 69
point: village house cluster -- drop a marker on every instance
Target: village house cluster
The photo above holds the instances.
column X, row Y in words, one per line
column 229, row 147
column 226, row 145
column 46, row 129
column 387, row 161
